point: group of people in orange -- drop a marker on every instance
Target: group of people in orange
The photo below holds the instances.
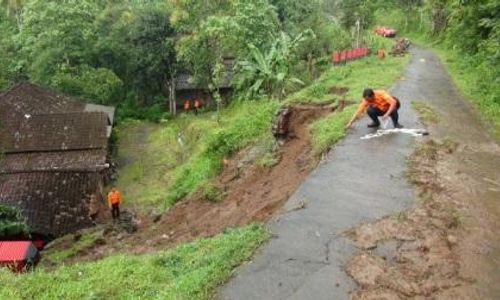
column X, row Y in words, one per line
column 196, row 106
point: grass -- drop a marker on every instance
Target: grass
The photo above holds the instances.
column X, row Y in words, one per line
column 426, row 113
column 191, row 271
column 76, row 244
column 243, row 124
column 328, row 131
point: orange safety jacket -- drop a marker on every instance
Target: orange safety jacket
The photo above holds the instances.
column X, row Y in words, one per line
column 382, row 101
column 114, row 198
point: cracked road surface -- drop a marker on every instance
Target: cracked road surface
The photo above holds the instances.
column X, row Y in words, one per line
column 363, row 180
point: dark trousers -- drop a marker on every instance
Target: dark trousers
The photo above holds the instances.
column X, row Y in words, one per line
column 115, row 211
column 374, row 113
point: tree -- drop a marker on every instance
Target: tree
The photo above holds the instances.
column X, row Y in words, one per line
column 14, row 9
column 153, row 40
column 7, row 51
column 352, row 11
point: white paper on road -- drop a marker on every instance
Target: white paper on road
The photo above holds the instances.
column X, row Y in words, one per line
column 381, row 132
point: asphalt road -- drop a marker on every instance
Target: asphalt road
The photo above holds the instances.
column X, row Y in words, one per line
column 363, row 180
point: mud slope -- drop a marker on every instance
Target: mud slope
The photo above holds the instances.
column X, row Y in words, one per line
column 250, row 193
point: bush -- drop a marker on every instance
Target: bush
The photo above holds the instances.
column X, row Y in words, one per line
column 12, row 222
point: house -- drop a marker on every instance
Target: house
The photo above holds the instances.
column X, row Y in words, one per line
column 186, row 87
column 18, row 255
column 54, row 157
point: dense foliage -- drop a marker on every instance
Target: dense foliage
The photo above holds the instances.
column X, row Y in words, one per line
column 129, row 52
column 12, row 223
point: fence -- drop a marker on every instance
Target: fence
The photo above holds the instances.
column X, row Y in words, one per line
column 342, row 57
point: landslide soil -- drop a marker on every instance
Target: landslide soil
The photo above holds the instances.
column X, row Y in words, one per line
column 444, row 248
column 251, row 193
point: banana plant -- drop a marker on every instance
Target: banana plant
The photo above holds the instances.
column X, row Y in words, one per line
column 268, row 72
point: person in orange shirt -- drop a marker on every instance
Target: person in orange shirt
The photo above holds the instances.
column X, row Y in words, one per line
column 378, row 103
column 197, row 105
column 114, row 201
column 186, row 106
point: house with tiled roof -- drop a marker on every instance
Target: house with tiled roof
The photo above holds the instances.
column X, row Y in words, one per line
column 54, row 157
column 187, row 88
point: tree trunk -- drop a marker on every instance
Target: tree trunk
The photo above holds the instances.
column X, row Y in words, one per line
column 172, row 97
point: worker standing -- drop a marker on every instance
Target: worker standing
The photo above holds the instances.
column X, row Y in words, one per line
column 186, row 106
column 197, row 106
column 378, row 104
column 114, row 201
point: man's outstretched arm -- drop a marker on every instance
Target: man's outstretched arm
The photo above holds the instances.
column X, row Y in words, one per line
column 361, row 108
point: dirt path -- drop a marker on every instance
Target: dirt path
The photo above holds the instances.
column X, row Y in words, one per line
column 452, row 235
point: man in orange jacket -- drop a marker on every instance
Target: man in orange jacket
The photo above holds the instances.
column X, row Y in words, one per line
column 114, row 201
column 378, row 103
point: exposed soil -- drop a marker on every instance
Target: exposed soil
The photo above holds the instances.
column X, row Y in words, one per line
column 251, row 193
column 437, row 250
column 338, row 90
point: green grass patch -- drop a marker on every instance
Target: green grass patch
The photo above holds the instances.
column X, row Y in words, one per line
column 426, row 113
column 74, row 244
column 329, row 130
column 242, row 124
column 190, row 271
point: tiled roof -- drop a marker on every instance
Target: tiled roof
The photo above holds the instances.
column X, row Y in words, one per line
column 79, row 160
column 53, row 151
column 26, row 98
column 54, row 203
column 54, row 132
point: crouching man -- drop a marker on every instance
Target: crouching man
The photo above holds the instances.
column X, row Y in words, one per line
column 378, row 103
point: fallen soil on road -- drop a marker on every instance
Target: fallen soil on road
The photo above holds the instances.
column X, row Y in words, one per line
column 250, row 192
column 440, row 248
